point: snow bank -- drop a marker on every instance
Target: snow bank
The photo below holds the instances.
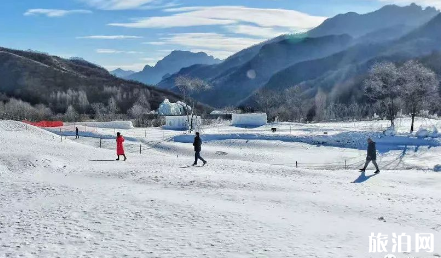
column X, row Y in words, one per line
column 113, row 124
column 390, row 131
column 25, row 130
column 422, row 133
column 256, row 119
column 172, row 109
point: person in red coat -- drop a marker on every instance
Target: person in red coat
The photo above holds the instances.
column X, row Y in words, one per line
column 120, row 146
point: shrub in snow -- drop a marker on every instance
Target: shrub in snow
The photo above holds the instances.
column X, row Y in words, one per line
column 422, row 133
column 390, row 131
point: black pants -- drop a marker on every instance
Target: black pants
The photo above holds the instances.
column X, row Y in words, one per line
column 197, row 156
column 369, row 161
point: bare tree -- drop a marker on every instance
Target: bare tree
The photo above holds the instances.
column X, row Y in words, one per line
column 420, row 87
column 266, row 100
column 383, row 84
column 188, row 86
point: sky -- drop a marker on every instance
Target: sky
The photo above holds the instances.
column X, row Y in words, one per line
column 130, row 34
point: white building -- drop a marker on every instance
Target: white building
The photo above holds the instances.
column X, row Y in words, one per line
column 181, row 123
column 254, row 119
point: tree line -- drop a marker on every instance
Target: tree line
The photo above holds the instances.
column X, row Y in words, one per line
column 388, row 89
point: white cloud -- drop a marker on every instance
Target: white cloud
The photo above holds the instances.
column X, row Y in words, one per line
column 127, row 4
column 54, row 12
column 172, row 21
column 110, row 37
column 155, row 43
column 213, row 41
column 114, row 51
column 228, row 15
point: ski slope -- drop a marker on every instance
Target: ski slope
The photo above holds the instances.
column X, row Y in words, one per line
column 69, row 198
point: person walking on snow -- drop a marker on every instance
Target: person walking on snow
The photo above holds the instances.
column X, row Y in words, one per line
column 197, row 148
column 371, row 156
column 120, row 146
column 77, row 136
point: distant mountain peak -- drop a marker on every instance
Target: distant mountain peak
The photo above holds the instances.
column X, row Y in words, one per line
column 121, row 73
column 171, row 64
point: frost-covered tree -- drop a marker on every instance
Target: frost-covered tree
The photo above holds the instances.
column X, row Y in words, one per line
column 99, row 110
column 143, row 101
column 83, row 101
column 112, row 106
column 383, row 84
column 320, row 105
column 294, row 102
column 71, row 114
column 188, row 86
column 420, row 87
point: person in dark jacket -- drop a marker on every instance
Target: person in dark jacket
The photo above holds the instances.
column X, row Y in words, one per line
column 197, row 149
column 371, row 156
column 77, row 136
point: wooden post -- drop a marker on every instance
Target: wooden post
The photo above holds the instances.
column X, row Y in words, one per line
column 100, row 142
column 345, row 164
column 140, row 149
column 296, row 164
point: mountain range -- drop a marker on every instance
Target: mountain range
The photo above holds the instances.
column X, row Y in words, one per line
column 173, row 63
column 347, row 41
column 39, row 78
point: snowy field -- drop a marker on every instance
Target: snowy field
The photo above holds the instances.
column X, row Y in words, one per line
column 62, row 197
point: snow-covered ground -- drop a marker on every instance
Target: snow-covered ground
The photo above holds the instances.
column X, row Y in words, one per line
column 68, row 198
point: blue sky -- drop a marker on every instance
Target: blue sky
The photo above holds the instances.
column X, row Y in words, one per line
column 132, row 33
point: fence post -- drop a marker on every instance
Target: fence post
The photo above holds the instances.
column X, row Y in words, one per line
column 100, row 142
column 296, row 164
column 345, row 165
column 140, row 149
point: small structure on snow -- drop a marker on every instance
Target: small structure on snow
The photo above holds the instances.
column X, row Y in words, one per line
column 173, row 109
column 181, row 122
column 253, row 119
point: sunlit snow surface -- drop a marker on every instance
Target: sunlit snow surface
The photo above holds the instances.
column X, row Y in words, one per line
column 68, row 198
